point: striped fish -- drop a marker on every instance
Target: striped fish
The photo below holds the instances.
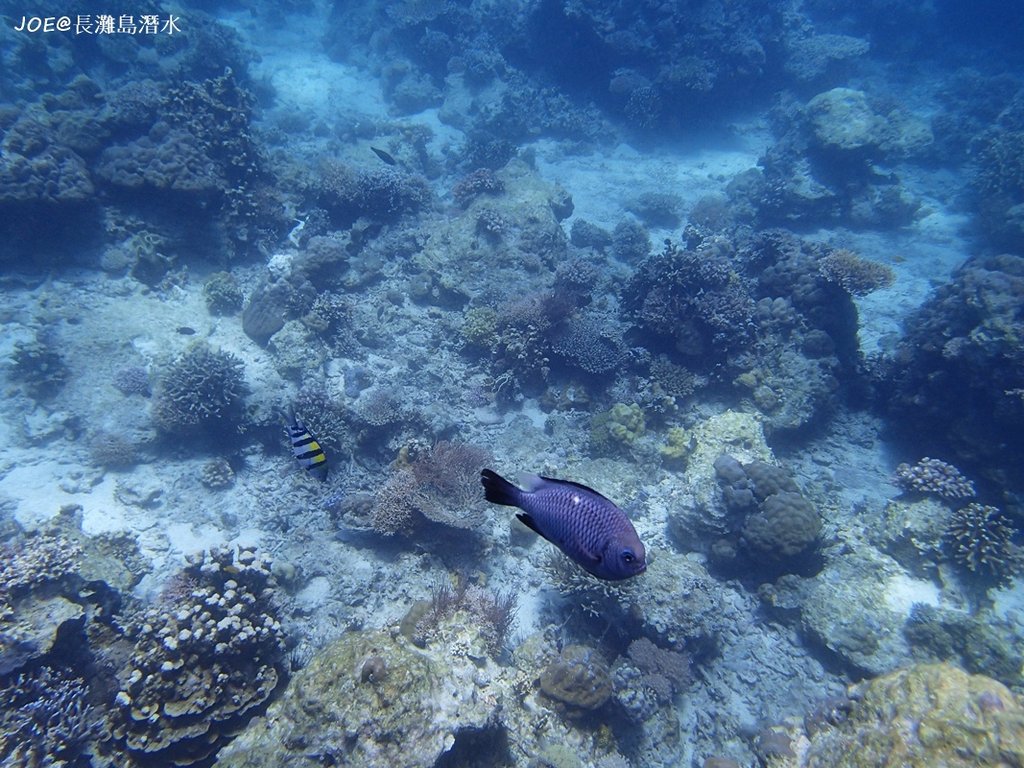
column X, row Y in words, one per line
column 307, row 450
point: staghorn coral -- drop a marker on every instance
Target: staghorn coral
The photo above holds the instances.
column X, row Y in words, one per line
column 201, row 390
column 203, row 661
column 979, row 539
column 46, row 720
column 936, row 477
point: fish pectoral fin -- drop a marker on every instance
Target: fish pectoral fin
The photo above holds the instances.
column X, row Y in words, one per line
column 526, row 520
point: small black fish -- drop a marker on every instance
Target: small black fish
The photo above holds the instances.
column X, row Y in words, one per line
column 307, row 450
column 581, row 522
column 387, row 158
column 185, row 330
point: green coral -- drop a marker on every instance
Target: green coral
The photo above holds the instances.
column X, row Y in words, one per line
column 479, row 326
column 679, row 444
column 617, row 428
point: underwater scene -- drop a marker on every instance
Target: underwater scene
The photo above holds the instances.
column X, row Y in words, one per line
column 526, row 384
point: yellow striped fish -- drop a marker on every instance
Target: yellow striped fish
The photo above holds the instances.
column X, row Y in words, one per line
column 307, row 450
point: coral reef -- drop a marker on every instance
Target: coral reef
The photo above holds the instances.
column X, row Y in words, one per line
column 493, row 614
column 960, row 720
column 617, row 428
column 133, row 380
column 579, row 677
column 853, row 273
column 222, row 294
column 647, row 667
column 936, row 477
column 203, row 390
column 695, row 303
column 955, row 384
column 979, row 539
column 422, row 706
column 46, row 719
column 217, row 475
column 779, row 526
column 39, row 587
column 482, row 181
column 40, row 366
column 977, row 643
column 441, row 484
column 202, row 661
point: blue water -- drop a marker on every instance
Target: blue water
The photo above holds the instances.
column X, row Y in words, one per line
column 755, row 274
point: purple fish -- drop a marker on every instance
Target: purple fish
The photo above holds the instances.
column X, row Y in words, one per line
column 581, row 522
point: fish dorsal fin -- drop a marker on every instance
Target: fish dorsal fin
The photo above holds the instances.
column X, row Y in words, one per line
column 581, row 486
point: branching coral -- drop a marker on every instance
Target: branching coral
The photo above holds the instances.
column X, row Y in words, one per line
column 855, row 275
column 979, row 539
column 440, row 483
column 934, row 476
column 695, row 302
column 201, row 390
column 45, row 720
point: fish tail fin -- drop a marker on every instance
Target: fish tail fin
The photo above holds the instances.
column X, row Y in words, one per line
column 498, row 490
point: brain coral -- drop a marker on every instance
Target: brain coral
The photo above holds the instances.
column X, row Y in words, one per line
column 578, row 677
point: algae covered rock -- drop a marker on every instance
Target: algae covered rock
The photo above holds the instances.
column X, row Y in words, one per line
column 925, row 716
column 368, row 699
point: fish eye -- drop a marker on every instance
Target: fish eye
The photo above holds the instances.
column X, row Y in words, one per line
column 628, row 556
